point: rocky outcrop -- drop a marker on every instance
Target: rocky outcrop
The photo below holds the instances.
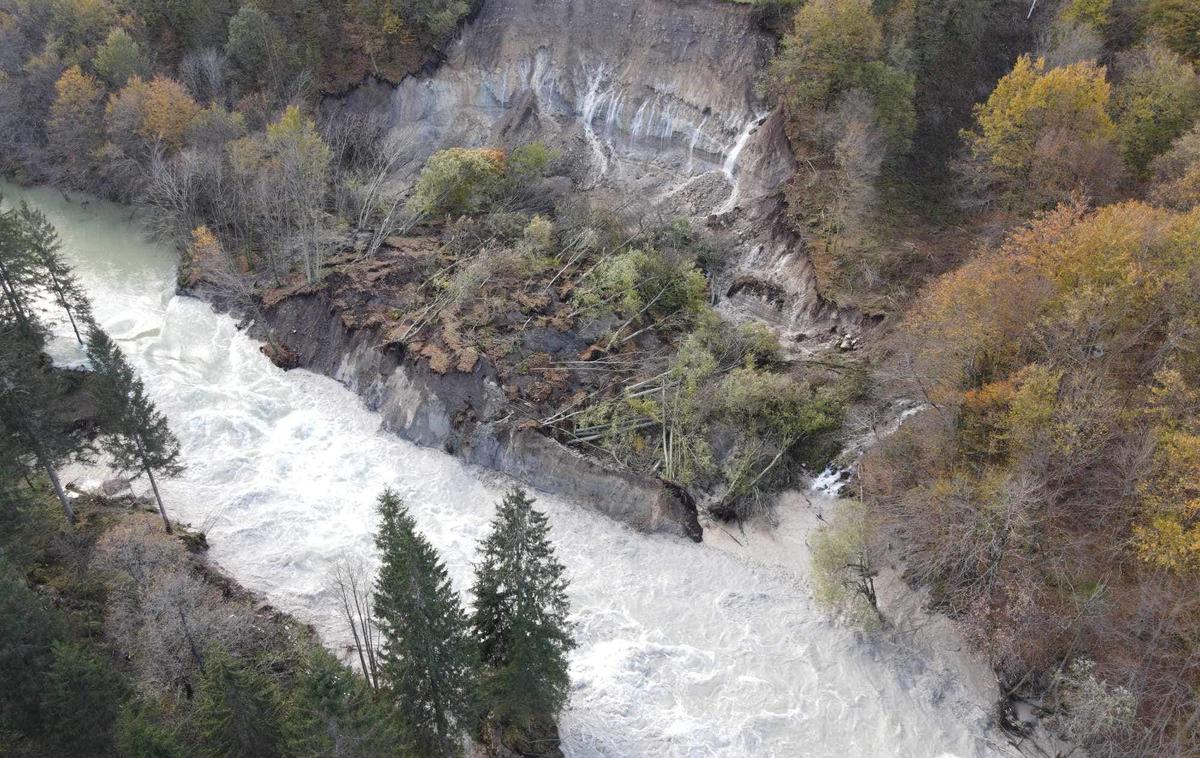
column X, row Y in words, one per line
column 652, row 104
column 465, row 413
column 639, row 94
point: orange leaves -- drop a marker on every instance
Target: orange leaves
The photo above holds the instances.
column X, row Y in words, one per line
column 169, row 111
column 1116, row 277
column 969, row 326
column 1031, row 101
column 75, row 91
column 1046, row 347
column 1046, row 133
column 160, row 110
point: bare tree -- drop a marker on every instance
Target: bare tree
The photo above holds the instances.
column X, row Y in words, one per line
column 352, row 581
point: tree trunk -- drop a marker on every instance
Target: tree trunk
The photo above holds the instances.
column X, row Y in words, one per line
column 58, row 488
column 10, row 294
column 157, row 497
column 62, row 300
column 154, row 486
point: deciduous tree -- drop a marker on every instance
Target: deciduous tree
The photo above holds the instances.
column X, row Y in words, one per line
column 1045, row 133
column 73, row 126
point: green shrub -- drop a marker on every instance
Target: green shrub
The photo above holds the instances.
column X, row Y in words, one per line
column 646, row 284
column 459, row 181
column 842, row 572
column 238, row 711
column 26, row 630
column 81, row 699
column 120, row 58
column 140, row 736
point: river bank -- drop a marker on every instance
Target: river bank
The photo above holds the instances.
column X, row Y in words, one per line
column 684, row 648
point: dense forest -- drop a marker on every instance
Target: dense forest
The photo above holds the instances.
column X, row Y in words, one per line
column 1045, row 487
column 1011, row 190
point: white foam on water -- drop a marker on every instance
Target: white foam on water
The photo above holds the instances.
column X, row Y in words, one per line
column 684, row 649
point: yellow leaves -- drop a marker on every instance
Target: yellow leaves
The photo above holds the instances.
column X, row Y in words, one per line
column 74, row 116
column 1095, row 13
column 1045, row 134
column 204, row 242
column 1171, row 499
column 75, row 95
column 1111, row 275
column 1031, row 101
column 169, row 111
column 160, row 110
column 1032, row 407
column 1173, row 400
column 292, row 149
column 1166, row 543
column 203, row 254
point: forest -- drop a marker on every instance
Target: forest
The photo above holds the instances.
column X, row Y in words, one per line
column 1010, row 192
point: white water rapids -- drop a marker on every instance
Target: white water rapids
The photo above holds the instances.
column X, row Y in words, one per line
column 684, row 649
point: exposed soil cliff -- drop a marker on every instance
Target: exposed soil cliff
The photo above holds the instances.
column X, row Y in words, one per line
column 461, row 408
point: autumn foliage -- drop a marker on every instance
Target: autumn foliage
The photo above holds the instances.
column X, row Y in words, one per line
column 1045, row 133
column 1051, row 491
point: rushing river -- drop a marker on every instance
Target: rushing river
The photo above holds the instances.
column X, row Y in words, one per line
column 684, row 649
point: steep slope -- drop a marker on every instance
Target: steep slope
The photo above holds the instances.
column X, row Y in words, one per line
column 652, row 104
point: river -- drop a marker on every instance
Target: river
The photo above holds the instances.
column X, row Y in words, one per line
column 684, row 649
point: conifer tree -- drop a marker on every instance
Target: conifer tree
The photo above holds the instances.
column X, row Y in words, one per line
column 29, row 392
column 428, row 660
column 520, row 618
column 44, row 247
column 135, row 433
column 28, row 395
column 238, row 711
column 18, row 277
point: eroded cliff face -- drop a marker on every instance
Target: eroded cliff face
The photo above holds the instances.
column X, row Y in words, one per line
column 638, row 93
column 465, row 413
column 652, row 104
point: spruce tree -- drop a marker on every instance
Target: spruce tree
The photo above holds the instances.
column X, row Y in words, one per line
column 19, row 278
column 81, row 699
column 429, row 660
column 520, row 618
column 135, row 434
column 43, row 245
column 30, row 265
column 239, row 712
column 30, row 431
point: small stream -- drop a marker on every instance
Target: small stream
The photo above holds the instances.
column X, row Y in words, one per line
column 684, row 649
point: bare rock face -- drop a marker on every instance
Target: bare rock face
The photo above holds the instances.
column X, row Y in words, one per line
column 652, row 104
column 640, row 95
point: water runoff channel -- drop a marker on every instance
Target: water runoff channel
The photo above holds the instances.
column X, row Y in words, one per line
column 684, row 649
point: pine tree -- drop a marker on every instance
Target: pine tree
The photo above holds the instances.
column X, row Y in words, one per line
column 18, row 277
column 238, row 711
column 44, row 247
column 28, row 396
column 520, row 618
column 136, row 435
column 81, row 699
column 428, row 660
